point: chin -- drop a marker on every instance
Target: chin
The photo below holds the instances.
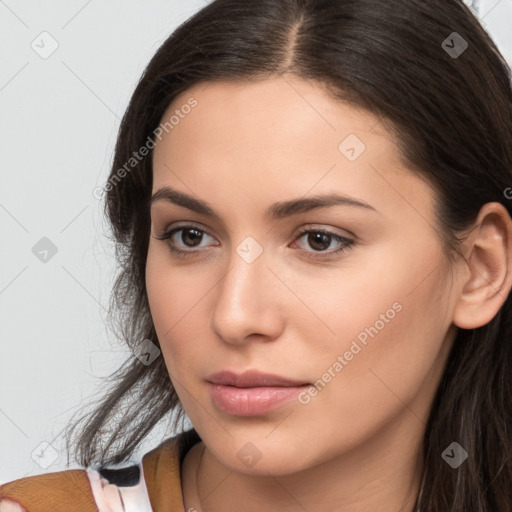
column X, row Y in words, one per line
column 274, row 465
column 261, row 457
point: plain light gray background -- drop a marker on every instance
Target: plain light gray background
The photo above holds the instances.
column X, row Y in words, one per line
column 59, row 118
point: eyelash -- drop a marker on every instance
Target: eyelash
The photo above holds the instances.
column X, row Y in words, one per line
column 318, row 254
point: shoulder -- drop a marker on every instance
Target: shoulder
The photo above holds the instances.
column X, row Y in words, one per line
column 136, row 486
column 59, row 490
column 104, row 488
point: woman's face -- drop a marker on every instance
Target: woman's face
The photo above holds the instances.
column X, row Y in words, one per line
column 361, row 321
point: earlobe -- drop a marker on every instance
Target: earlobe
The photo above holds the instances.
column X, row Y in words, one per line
column 487, row 278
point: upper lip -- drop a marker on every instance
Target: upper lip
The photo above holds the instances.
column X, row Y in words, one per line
column 251, row 378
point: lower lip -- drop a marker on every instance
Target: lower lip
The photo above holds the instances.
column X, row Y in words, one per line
column 252, row 401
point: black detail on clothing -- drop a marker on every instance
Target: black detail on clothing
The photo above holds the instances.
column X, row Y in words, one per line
column 122, row 477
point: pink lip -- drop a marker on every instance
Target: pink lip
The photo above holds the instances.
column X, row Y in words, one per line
column 251, row 379
column 251, row 393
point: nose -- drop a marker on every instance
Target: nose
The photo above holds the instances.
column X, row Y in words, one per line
column 249, row 302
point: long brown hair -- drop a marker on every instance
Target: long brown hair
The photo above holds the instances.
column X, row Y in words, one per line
column 448, row 99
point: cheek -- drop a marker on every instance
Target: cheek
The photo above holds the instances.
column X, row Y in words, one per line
column 389, row 334
column 176, row 298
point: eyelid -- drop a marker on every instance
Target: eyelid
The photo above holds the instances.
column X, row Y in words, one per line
column 184, row 225
column 323, row 228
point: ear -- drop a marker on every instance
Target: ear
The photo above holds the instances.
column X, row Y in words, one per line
column 487, row 276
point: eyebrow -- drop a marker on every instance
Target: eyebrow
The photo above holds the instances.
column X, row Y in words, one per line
column 278, row 210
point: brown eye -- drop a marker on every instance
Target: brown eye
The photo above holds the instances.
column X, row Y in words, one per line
column 320, row 241
column 191, row 236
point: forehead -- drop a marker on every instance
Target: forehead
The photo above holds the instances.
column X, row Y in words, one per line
column 269, row 105
column 283, row 136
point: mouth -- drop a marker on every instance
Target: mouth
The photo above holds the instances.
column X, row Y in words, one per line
column 252, row 393
column 252, row 379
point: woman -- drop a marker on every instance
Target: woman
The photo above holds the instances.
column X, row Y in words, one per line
column 311, row 201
